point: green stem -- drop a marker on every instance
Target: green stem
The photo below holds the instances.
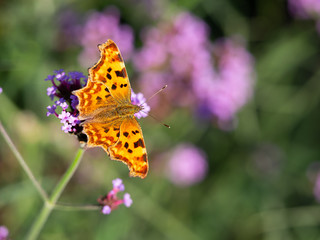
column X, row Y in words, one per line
column 66, row 177
column 40, row 221
column 65, row 207
column 56, row 193
column 23, row 163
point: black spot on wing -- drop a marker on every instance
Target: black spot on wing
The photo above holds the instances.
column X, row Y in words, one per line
column 126, row 145
column 138, row 143
column 121, row 73
column 109, row 76
column 144, row 157
column 120, row 58
column 126, row 134
column 114, row 87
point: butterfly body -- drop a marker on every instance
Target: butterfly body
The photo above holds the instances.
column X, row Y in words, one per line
column 108, row 114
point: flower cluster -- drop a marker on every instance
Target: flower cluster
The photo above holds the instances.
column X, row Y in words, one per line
column 187, row 165
column 306, row 9
column 0, row 90
column 110, row 201
column 97, row 29
column 216, row 77
column 4, row 233
column 64, row 107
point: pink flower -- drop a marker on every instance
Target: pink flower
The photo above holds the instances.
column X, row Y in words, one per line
column 111, row 201
column 187, row 165
column 99, row 27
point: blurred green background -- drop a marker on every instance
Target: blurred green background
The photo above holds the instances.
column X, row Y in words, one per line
column 261, row 174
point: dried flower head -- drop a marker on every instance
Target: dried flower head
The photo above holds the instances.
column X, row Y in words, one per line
column 111, row 201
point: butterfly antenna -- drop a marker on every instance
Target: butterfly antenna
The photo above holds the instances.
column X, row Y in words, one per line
column 160, row 90
column 166, row 125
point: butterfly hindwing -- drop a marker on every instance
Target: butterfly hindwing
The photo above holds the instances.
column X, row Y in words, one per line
column 102, row 134
column 130, row 148
column 111, row 71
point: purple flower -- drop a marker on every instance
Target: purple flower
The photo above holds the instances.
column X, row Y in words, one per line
column 66, row 127
column 62, row 86
column 97, row 29
column 117, row 183
column 127, row 201
column 187, row 165
column 64, row 116
column 231, row 85
column 50, row 78
column 106, row 210
column 51, row 110
column 74, row 101
column 0, row 90
column 4, row 233
column 64, row 106
column 73, row 121
column 111, row 201
column 76, row 75
column 139, row 100
column 51, row 91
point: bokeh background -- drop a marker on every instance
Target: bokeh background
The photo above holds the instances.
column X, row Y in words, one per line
column 241, row 158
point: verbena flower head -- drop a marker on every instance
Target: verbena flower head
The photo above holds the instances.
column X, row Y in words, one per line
column 0, row 90
column 64, row 106
column 4, row 233
column 98, row 28
column 198, row 73
column 111, row 201
column 231, row 85
column 187, row 165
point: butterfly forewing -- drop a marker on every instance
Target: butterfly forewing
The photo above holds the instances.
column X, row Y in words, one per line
column 92, row 97
column 111, row 71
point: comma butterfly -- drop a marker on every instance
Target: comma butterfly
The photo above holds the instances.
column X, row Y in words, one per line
column 108, row 114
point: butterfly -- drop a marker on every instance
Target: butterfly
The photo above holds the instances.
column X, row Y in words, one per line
column 107, row 112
